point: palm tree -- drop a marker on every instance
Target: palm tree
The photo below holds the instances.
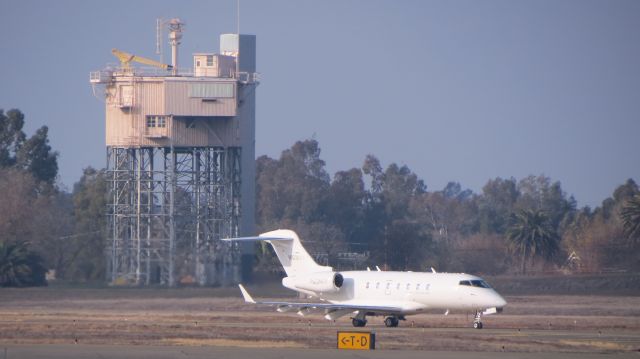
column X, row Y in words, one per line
column 631, row 217
column 531, row 234
column 19, row 266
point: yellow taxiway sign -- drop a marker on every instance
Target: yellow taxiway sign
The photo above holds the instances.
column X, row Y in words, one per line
column 356, row 340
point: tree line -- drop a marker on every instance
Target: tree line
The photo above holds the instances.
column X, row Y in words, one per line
column 43, row 227
column 512, row 226
column 367, row 216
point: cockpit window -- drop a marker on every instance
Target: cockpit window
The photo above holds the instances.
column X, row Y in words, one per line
column 475, row 283
column 480, row 283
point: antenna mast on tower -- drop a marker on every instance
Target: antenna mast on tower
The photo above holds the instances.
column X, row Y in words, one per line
column 159, row 32
column 175, row 35
column 238, row 33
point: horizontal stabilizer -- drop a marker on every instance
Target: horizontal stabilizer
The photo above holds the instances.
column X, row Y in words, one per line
column 255, row 239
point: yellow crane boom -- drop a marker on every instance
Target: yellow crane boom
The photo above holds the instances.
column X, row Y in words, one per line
column 126, row 59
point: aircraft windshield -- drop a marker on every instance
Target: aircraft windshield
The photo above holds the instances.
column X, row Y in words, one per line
column 475, row 283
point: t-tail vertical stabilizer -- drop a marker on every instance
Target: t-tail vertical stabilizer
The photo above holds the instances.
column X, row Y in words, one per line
column 294, row 258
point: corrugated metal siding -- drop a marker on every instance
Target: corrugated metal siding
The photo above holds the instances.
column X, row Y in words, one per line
column 127, row 127
column 211, row 90
column 149, row 101
column 202, row 132
column 183, row 136
column 178, row 102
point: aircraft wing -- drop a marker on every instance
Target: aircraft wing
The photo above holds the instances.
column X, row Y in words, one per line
column 332, row 311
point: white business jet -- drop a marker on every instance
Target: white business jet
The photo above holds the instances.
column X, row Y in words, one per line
column 372, row 293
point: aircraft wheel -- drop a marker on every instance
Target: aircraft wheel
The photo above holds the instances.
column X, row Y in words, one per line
column 391, row 322
column 477, row 325
column 358, row 322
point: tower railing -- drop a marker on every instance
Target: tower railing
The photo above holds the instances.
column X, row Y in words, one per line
column 110, row 72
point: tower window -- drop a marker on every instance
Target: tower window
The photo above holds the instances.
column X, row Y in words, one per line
column 151, row 121
column 209, row 60
column 156, row 121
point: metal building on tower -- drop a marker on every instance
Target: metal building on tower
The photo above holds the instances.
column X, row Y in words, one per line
column 180, row 163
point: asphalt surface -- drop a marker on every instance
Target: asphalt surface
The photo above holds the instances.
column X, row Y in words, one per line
column 66, row 351
column 127, row 324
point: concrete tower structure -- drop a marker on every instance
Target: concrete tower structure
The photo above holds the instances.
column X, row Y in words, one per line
column 181, row 164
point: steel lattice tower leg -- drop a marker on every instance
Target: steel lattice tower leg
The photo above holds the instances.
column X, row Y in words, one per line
column 168, row 208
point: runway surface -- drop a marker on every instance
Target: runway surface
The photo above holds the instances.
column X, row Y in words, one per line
column 65, row 351
column 114, row 323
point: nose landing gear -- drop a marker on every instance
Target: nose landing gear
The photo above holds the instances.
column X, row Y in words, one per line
column 477, row 321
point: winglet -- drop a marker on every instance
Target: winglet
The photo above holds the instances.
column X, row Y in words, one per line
column 245, row 294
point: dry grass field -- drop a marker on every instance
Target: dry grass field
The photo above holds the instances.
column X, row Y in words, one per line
column 218, row 317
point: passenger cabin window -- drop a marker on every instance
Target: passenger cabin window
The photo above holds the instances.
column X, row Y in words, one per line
column 388, row 285
column 398, row 286
column 377, row 285
column 475, row 283
column 367, row 285
column 408, row 285
column 417, row 286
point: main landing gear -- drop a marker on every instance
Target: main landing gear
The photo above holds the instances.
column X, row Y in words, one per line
column 358, row 322
column 391, row 322
column 477, row 321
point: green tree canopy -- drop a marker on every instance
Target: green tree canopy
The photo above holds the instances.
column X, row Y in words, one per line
column 33, row 154
column 292, row 187
column 496, row 204
column 20, row 266
column 631, row 217
column 531, row 235
column 393, row 228
column 343, row 205
column 11, row 136
column 541, row 193
column 89, row 205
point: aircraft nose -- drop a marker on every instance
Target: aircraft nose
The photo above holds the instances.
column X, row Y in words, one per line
column 499, row 301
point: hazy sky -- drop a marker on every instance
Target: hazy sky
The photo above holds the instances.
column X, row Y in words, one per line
column 456, row 90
